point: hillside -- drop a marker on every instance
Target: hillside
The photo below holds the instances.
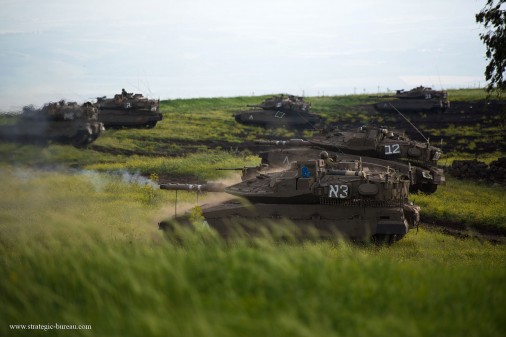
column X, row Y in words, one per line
column 80, row 245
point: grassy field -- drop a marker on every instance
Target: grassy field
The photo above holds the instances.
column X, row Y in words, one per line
column 466, row 204
column 83, row 248
column 79, row 244
column 192, row 125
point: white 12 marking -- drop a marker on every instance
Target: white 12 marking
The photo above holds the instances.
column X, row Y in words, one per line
column 392, row 149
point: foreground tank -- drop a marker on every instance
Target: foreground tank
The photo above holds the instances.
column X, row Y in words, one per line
column 354, row 199
column 419, row 99
column 415, row 159
column 280, row 111
column 129, row 110
column 62, row 122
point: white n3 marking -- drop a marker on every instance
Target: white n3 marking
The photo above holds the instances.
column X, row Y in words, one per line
column 338, row 191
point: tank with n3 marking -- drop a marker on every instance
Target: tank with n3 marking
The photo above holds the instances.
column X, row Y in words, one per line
column 353, row 199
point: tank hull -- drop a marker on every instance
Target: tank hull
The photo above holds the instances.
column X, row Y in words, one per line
column 66, row 132
column 112, row 118
column 358, row 221
column 278, row 118
column 128, row 110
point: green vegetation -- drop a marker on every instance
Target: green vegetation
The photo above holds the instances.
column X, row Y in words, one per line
column 470, row 204
column 65, row 155
column 484, row 157
column 493, row 18
column 193, row 125
column 202, row 165
column 467, row 94
column 83, row 248
column 79, row 243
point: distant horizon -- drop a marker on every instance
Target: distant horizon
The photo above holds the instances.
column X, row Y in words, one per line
column 73, row 97
column 169, row 49
column 322, row 94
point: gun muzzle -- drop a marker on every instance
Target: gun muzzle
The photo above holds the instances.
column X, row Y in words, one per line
column 209, row 187
column 291, row 142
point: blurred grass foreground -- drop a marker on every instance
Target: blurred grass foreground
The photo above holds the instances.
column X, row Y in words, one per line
column 83, row 248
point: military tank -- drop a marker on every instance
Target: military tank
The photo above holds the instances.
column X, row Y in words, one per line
column 61, row 122
column 128, row 110
column 386, row 147
column 419, row 99
column 280, row 111
column 355, row 199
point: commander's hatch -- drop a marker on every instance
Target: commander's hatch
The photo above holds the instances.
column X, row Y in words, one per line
column 308, row 172
column 373, row 137
column 368, row 138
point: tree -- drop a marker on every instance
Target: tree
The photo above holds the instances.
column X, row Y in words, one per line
column 493, row 19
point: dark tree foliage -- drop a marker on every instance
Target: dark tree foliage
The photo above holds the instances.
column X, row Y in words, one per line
column 493, row 19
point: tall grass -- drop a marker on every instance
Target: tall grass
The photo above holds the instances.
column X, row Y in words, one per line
column 468, row 203
column 467, row 94
column 423, row 286
column 84, row 249
column 203, row 164
column 65, row 155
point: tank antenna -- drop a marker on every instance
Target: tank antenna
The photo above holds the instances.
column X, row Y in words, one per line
column 306, row 121
column 175, row 206
column 198, row 183
column 409, row 122
column 418, row 223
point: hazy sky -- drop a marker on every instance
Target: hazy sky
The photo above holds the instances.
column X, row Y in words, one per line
column 78, row 50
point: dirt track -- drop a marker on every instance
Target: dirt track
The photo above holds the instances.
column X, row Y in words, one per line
column 465, row 233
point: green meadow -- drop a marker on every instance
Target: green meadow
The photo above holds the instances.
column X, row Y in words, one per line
column 470, row 205
column 84, row 248
column 80, row 245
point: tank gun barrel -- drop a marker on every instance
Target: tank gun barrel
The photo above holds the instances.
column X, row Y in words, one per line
column 247, row 172
column 381, row 96
column 209, row 187
column 345, row 173
column 230, row 169
column 253, row 105
column 291, row 142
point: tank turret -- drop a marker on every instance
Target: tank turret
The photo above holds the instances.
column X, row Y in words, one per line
column 379, row 142
column 421, row 92
column 355, row 199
